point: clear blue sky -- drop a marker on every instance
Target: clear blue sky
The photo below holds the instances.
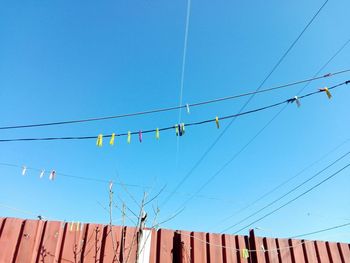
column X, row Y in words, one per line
column 76, row 59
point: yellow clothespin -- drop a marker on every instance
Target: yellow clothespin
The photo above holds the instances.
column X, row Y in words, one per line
column 99, row 140
column 182, row 129
column 129, row 137
column 111, row 142
column 78, row 226
column 177, row 129
column 71, row 226
column 217, row 122
column 157, row 134
column 325, row 89
column 245, row 253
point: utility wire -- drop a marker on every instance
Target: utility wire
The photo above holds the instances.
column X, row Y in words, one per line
column 183, row 180
column 222, row 168
column 188, row 13
column 270, row 121
column 322, row 230
column 283, row 183
column 289, row 192
column 292, row 200
column 233, row 116
column 33, row 125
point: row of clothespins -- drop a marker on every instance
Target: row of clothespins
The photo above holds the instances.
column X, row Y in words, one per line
column 75, row 226
column 296, row 99
column 179, row 131
column 180, row 127
column 52, row 173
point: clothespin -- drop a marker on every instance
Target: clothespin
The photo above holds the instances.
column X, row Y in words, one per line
column 188, row 108
column 217, row 122
column 99, row 140
column 24, row 170
column 157, row 134
column 42, row 173
column 245, row 253
column 78, row 226
column 181, row 128
column 71, row 226
column 111, row 142
column 140, row 136
column 129, row 137
column 110, row 185
column 177, row 129
column 296, row 100
column 325, row 89
column 263, row 248
column 52, row 175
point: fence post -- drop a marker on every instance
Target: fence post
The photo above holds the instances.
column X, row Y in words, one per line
column 252, row 246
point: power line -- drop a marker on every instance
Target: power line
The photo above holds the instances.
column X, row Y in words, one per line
column 283, row 183
column 188, row 13
column 273, row 118
column 289, row 192
column 302, row 194
column 232, row 116
column 262, row 129
column 244, row 105
column 322, row 230
column 33, row 125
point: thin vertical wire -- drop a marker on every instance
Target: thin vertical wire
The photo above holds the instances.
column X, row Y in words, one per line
column 183, row 68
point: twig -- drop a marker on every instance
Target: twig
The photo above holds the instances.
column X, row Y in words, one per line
column 111, row 219
column 127, row 191
column 158, row 194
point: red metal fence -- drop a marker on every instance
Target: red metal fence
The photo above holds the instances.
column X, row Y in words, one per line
column 34, row 241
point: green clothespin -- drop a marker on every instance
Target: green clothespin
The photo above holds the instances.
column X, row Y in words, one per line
column 245, row 253
column 157, row 134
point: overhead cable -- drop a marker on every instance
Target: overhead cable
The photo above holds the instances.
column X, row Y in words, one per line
column 291, row 100
column 191, row 105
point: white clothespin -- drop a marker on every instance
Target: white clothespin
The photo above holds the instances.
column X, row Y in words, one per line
column 52, row 175
column 24, row 170
column 188, row 108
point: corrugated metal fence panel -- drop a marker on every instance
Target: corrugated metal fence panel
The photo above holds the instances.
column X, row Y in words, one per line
column 36, row 241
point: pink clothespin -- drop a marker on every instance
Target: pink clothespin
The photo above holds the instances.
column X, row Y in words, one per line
column 140, row 136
